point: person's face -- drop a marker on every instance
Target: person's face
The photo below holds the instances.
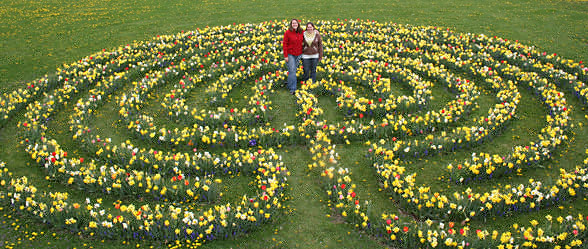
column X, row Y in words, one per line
column 295, row 24
column 309, row 27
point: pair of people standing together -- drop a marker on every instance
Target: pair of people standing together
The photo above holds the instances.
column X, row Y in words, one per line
column 302, row 44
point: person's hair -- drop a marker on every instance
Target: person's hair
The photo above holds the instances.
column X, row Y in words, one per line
column 299, row 29
column 314, row 27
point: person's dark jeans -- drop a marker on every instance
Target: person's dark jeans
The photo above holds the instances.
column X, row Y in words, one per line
column 309, row 69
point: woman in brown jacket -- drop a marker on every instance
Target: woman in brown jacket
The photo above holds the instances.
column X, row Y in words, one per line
column 312, row 51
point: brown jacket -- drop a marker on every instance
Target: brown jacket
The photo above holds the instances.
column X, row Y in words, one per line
column 315, row 48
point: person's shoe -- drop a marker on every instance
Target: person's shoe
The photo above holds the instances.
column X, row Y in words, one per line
column 292, row 92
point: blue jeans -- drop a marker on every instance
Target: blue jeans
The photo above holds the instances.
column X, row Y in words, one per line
column 293, row 62
column 309, row 69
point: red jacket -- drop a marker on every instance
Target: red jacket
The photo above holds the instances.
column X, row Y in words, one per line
column 292, row 43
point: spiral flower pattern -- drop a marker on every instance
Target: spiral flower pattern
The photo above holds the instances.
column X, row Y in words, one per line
column 404, row 92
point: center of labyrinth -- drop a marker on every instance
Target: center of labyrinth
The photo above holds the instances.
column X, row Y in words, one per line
column 183, row 136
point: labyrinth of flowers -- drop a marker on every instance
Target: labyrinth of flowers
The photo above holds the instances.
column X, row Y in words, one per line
column 372, row 55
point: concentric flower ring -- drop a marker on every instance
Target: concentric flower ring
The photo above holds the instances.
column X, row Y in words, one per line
column 383, row 78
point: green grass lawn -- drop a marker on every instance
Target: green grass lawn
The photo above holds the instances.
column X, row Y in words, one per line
column 37, row 37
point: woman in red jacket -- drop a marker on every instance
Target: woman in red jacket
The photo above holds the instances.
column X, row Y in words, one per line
column 292, row 51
